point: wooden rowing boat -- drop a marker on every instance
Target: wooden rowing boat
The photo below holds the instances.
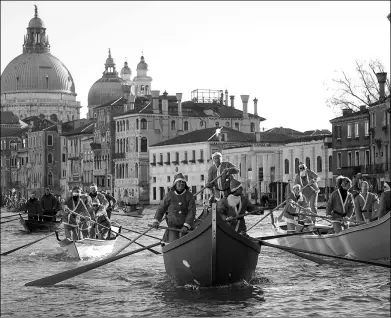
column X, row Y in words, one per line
column 88, row 248
column 369, row 241
column 39, row 226
column 211, row 254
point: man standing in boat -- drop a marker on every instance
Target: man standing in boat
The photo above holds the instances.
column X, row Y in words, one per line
column 220, row 187
column 308, row 177
column 357, row 184
column 385, row 201
column 102, row 224
column 364, row 203
column 48, row 206
column 235, row 204
column 33, row 208
column 179, row 205
column 111, row 201
column 101, row 197
column 341, row 203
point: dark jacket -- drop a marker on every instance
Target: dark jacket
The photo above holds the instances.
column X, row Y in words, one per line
column 48, row 202
column 33, row 206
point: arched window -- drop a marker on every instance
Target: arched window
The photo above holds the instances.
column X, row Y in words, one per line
column 126, row 171
column 137, row 121
column 172, row 124
column 297, row 165
column 53, row 117
column 319, row 164
column 127, row 144
column 144, row 144
column 144, row 124
column 252, row 127
column 185, row 125
column 308, row 163
column 50, row 178
column 142, row 91
column 286, row 164
column 127, row 124
column 330, row 163
column 146, row 89
column 136, row 170
column 201, row 123
column 50, row 158
column 237, row 126
column 136, row 144
column 217, row 124
column 117, row 146
column 117, row 126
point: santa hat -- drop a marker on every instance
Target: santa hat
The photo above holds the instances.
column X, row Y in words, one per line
column 178, row 177
column 234, row 185
column 217, row 154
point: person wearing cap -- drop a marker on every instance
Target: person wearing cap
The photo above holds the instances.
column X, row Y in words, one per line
column 221, row 186
column 102, row 223
column 32, row 207
column 180, row 207
column 72, row 222
column 341, row 203
column 291, row 212
column 308, row 177
column 48, row 206
column 111, row 201
column 365, row 203
column 385, row 201
column 98, row 195
column 235, row 204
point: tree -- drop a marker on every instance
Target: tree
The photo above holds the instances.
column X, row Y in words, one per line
column 362, row 89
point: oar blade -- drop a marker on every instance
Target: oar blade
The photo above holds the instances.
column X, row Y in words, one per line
column 26, row 245
column 57, row 278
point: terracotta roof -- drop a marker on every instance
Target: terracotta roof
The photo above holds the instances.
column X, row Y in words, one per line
column 18, row 133
column 284, row 131
column 85, row 129
column 7, row 131
column 7, row 118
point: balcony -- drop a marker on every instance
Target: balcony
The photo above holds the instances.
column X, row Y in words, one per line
column 120, row 155
column 200, row 160
column 160, row 163
column 153, row 164
column 175, row 163
column 167, row 163
column 192, row 161
column 184, row 162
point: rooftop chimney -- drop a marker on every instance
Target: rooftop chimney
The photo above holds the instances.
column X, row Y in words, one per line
column 226, row 98
column 363, row 108
column 165, row 103
column 179, row 99
column 245, row 101
column 346, row 111
column 155, row 101
column 232, row 97
column 381, row 78
column 255, row 106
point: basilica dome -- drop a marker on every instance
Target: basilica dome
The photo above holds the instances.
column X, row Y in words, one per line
column 107, row 88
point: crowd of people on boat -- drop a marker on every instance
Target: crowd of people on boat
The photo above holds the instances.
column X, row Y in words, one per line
column 350, row 201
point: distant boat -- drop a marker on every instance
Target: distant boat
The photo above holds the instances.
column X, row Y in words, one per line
column 212, row 254
column 39, row 226
column 133, row 210
column 88, row 248
column 369, row 241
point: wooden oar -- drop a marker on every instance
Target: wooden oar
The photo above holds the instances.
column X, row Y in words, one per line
column 56, row 278
column 28, row 244
column 133, row 216
column 278, row 206
column 132, row 241
column 10, row 220
column 166, row 228
column 8, row 216
column 292, row 249
column 282, row 235
column 154, row 237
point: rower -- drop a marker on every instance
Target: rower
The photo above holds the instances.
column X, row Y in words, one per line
column 364, row 203
column 103, row 224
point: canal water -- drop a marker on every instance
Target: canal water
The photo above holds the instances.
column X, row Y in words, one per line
column 137, row 285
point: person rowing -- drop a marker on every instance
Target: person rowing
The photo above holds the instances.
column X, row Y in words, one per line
column 364, row 203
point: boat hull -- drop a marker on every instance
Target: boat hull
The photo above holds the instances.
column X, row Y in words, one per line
column 212, row 254
column 370, row 241
column 87, row 248
column 36, row 226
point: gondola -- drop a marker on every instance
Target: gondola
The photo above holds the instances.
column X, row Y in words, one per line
column 39, row 226
column 87, row 247
column 369, row 241
column 212, row 254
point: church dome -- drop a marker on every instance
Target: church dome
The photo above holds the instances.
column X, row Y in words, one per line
column 126, row 70
column 105, row 90
column 36, row 72
column 36, row 23
column 142, row 65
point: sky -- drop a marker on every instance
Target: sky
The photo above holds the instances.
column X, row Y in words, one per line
column 285, row 54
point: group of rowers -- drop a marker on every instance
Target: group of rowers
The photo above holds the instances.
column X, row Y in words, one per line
column 87, row 215
column 178, row 205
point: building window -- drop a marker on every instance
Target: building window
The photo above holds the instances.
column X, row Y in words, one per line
column 201, row 123
column 50, row 158
column 366, row 160
column 297, row 165
column 338, row 132
column 349, row 158
column 172, row 124
column 137, row 121
column 143, row 124
column 50, row 140
column 161, row 158
column 185, row 125
column 168, row 179
column 349, row 130
column 154, row 158
column 286, row 166
column 50, row 178
column 366, row 128
column 154, row 193
column 64, row 173
column 237, row 126
column 373, row 123
column 154, row 179
column 144, row 144
column 168, row 157
column 308, row 163
column 330, row 163
column 357, row 158
column 319, row 164
column 185, row 155
column 339, row 160
column 252, row 127
column 194, row 155
column 177, row 156
column 201, row 154
column 63, row 157
column 202, row 177
column 356, row 132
